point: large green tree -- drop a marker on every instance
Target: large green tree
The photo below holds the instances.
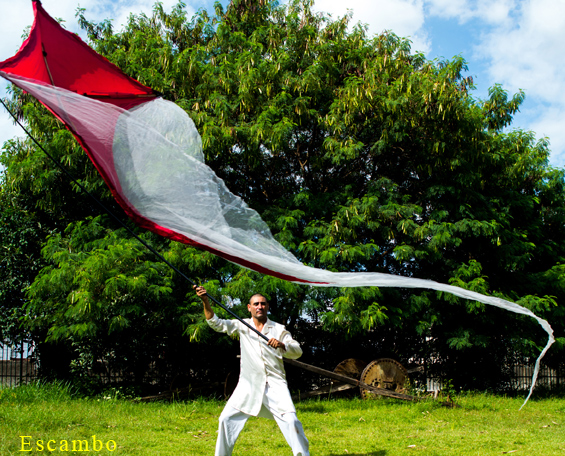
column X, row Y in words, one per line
column 358, row 153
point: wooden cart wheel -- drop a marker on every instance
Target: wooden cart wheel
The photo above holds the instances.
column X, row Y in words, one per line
column 384, row 373
column 351, row 367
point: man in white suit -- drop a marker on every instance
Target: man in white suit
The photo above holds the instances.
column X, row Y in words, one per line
column 262, row 389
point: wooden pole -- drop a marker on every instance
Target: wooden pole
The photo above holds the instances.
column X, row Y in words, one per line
column 349, row 380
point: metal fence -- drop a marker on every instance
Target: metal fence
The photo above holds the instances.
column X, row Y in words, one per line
column 549, row 378
column 17, row 364
column 519, row 377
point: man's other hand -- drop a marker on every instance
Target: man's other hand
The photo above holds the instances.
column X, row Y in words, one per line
column 276, row 344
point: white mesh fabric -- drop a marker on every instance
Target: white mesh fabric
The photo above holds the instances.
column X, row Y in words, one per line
column 158, row 169
column 162, row 173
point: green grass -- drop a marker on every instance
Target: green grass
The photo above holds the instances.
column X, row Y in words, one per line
column 481, row 425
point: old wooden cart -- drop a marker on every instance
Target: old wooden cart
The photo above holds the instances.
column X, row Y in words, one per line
column 381, row 377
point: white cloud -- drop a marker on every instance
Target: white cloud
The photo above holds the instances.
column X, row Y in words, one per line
column 495, row 12
column 449, row 9
column 489, row 11
column 9, row 130
column 519, row 44
column 528, row 54
column 549, row 122
column 403, row 17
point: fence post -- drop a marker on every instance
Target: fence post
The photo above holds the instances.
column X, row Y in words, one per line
column 21, row 361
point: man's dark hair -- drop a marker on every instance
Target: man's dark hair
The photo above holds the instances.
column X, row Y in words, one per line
column 258, row 294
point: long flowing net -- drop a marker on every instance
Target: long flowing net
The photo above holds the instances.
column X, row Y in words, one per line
column 151, row 158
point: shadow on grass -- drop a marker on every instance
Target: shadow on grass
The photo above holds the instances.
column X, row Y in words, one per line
column 313, row 407
column 372, row 453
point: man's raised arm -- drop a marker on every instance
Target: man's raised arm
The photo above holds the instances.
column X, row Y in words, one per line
column 201, row 292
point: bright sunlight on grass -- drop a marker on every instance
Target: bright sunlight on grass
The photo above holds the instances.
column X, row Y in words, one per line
column 50, row 417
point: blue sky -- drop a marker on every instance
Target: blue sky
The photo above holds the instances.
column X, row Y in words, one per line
column 517, row 43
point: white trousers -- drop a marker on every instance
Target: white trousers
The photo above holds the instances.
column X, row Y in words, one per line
column 233, row 420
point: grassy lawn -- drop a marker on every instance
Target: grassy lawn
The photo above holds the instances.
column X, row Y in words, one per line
column 33, row 416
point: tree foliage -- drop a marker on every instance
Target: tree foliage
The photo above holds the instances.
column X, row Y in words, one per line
column 358, row 153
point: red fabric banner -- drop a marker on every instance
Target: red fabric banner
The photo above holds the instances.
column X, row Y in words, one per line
column 58, row 57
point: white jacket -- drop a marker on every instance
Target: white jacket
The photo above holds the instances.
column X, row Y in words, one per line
column 260, row 364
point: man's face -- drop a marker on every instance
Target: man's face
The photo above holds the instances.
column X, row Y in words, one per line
column 258, row 306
